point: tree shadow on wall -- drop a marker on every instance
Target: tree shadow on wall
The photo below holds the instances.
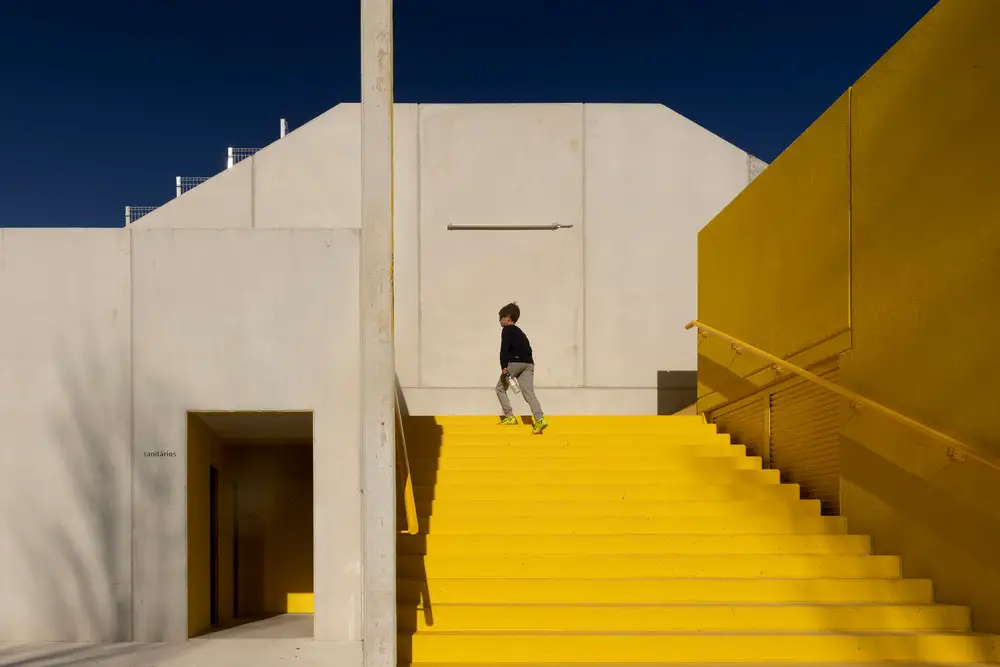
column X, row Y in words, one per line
column 75, row 535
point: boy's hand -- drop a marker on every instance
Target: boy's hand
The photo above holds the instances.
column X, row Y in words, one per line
column 505, row 371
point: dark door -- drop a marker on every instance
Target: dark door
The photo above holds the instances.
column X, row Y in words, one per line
column 213, row 544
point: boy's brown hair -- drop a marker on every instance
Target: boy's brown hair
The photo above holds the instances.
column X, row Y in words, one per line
column 512, row 311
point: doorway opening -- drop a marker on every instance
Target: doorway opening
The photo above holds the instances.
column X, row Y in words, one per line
column 250, row 524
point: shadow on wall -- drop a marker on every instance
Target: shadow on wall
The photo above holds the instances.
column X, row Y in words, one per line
column 724, row 380
column 79, row 546
column 413, row 592
column 675, row 391
column 938, row 512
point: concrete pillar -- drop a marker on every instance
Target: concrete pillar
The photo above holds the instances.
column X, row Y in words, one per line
column 377, row 362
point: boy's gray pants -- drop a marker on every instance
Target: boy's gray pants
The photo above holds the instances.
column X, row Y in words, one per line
column 525, row 376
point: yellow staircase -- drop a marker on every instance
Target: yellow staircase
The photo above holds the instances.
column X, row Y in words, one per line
column 643, row 540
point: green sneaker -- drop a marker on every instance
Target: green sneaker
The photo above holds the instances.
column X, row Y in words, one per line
column 508, row 421
column 539, row 426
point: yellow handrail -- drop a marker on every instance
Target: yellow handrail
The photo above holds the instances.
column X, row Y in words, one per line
column 409, row 499
column 958, row 449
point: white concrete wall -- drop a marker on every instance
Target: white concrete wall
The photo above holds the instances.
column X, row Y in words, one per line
column 653, row 180
column 245, row 320
column 604, row 302
column 97, row 341
column 65, row 462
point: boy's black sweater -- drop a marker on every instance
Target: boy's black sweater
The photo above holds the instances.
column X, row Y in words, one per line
column 514, row 346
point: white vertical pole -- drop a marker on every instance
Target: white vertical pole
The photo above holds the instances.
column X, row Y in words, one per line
column 178, row 186
column 128, row 216
column 282, row 128
column 229, row 158
column 377, row 361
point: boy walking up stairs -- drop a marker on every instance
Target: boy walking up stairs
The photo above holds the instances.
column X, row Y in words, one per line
column 518, row 369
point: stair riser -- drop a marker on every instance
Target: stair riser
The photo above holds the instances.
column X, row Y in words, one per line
column 588, row 422
column 735, row 509
column 571, row 450
column 684, row 618
column 632, row 525
column 667, row 591
column 496, row 545
column 423, row 468
column 525, row 438
column 606, row 492
column 564, row 425
column 587, row 477
column 705, row 648
column 702, row 566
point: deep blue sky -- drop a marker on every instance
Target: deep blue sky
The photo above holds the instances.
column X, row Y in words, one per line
column 103, row 103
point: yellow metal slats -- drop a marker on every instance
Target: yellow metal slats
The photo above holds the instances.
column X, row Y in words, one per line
column 805, row 423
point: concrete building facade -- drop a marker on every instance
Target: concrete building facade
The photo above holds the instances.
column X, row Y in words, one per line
column 240, row 298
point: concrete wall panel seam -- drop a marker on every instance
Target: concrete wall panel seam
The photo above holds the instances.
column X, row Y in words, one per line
column 420, row 253
column 131, row 433
column 850, row 212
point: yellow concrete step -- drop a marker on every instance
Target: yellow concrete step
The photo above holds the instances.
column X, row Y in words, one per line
column 666, row 591
column 561, row 424
column 645, row 566
column 586, row 508
column 525, row 438
column 636, row 477
column 904, row 663
column 585, row 420
column 706, row 647
column 491, row 545
column 626, row 525
column 684, row 618
column 568, row 449
column 608, row 462
column 505, row 491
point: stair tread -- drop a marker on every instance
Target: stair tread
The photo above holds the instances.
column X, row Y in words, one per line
column 687, row 664
column 665, row 580
column 701, row 633
column 695, row 605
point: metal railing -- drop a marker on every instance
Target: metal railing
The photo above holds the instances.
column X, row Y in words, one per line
column 236, row 155
column 409, row 498
column 133, row 213
column 958, row 450
column 185, row 183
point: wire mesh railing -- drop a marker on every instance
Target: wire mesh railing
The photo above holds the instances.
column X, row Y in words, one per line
column 235, row 155
column 133, row 213
column 185, row 183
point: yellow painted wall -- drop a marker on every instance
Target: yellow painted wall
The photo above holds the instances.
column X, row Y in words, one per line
column 780, row 251
column 926, row 216
column 923, row 268
column 275, row 525
column 205, row 450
